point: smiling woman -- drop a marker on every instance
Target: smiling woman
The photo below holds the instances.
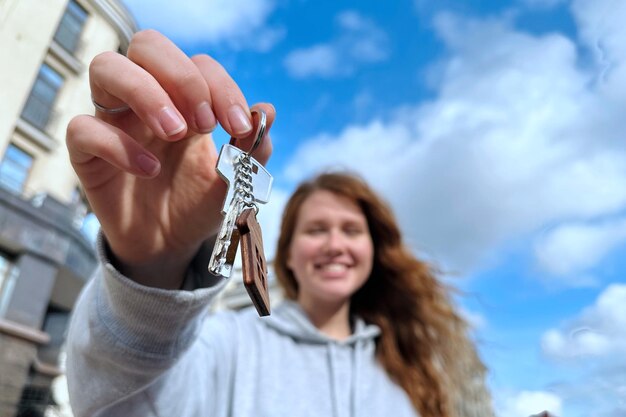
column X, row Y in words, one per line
column 341, row 255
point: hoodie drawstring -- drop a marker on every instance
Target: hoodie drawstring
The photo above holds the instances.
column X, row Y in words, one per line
column 356, row 368
column 356, row 356
column 333, row 379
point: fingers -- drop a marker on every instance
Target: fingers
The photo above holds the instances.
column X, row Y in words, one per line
column 114, row 79
column 229, row 102
column 177, row 75
column 264, row 149
column 169, row 91
column 98, row 151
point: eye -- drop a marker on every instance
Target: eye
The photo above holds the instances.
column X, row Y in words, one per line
column 354, row 230
column 315, row 229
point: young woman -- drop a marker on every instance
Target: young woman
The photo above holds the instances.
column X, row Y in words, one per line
column 368, row 330
column 340, row 255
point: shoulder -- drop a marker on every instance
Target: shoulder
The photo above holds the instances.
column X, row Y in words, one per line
column 229, row 322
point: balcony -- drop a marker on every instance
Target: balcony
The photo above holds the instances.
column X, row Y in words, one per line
column 47, row 230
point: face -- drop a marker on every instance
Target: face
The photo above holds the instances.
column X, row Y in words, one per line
column 331, row 252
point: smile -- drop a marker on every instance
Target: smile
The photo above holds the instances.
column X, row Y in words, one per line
column 333, row 267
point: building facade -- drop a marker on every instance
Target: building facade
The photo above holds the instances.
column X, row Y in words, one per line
column 45, row 259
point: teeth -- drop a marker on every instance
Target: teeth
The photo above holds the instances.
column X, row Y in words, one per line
column 335, row 267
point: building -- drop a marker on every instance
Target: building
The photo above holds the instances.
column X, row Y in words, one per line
column 46, row 47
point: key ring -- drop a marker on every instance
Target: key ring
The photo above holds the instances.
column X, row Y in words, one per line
column 261, row 130
column 262, row 126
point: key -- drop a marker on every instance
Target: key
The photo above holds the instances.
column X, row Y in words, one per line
column 248, row 183
column 225, row 249
column 253, row 261
column 260, row 183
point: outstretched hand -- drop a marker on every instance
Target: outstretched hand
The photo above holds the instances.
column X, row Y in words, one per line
column 149, row 172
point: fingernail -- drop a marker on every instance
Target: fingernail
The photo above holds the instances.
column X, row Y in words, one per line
column 205, row 119
column 239, row 121
column 170, row 122
column 148, row 164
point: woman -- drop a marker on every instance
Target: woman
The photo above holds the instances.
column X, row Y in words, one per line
column 336, row 223
column 369, row 331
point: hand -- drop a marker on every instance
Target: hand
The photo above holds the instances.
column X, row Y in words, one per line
column 149, row 173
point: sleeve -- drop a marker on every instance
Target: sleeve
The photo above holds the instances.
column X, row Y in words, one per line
column 133, row 349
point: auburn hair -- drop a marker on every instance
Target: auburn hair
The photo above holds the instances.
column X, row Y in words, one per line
column 421, row 333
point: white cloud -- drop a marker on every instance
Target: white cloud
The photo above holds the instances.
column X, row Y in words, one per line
column 514, row 140
column 602, row 29
column 571, row 249
column 322, row 60
column 350, row 149
column 236, row 23
column 527, row 403
column 592, row 346
column 359, row 42
column 598, row 332
column 269, row 219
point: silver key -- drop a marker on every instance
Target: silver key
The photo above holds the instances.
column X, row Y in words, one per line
column 226, row 243
column 248, row 183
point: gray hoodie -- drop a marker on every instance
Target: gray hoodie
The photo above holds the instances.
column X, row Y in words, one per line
column 139, row 351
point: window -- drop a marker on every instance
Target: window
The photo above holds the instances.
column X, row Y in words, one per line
column 14, row 169
column 55, row 325
column 38, row 108
column 8, row 275
column 71, row 26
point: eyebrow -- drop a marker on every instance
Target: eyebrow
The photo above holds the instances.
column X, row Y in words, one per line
column 323, row 222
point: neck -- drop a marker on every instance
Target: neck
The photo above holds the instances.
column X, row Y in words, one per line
column 331, row 320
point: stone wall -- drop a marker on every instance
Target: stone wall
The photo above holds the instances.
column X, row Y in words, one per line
column 16, row 357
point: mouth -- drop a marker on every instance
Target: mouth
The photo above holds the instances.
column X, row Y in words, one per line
column 333, row 267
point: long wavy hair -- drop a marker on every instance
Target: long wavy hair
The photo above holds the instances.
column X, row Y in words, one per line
column 423, row 344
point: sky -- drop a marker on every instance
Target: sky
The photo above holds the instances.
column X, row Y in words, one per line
column 494, row 129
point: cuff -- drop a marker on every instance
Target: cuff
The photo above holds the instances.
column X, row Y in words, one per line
column 154, row 321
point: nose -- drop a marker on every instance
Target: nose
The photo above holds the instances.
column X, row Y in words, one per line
column 335, row 242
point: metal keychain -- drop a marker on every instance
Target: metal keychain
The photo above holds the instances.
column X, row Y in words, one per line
column 248, row 183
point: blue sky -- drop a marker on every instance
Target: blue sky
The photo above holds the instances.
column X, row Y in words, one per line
column 494, row 129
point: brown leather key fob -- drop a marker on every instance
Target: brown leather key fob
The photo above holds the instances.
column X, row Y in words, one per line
column 253, row 261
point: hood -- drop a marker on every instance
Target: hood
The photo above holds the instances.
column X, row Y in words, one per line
column 290, row 319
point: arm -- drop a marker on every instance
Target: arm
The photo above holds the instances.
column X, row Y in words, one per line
column 149, row 175
column 124, row 336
